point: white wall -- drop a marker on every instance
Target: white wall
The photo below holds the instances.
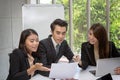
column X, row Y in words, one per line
column 40, row 16
column 10, row 28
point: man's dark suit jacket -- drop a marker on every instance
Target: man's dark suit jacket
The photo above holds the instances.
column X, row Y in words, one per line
column 48, row 53
column 19, row 65
column 87, row 54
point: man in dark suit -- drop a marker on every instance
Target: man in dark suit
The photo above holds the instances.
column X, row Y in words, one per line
column 47, row 47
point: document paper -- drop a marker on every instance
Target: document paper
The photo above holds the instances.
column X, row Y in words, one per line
column 63, row 70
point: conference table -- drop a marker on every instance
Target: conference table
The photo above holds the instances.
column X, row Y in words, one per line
column 80, row 75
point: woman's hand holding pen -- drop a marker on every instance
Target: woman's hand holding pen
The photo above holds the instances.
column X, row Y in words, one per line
column 76, row 58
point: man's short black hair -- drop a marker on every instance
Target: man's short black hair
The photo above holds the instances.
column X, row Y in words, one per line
column 60, row 22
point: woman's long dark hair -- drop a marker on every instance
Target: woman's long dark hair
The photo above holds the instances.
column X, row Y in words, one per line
column 101, row 34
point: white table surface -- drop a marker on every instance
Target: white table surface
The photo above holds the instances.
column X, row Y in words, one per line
column 80, row 75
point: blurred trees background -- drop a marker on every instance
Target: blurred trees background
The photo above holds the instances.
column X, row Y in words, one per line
column 98, row 14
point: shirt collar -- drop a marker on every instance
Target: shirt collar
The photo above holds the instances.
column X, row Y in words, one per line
column 54, row 43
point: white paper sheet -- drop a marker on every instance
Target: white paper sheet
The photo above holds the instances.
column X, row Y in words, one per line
column 63, row 70
column 40, row 77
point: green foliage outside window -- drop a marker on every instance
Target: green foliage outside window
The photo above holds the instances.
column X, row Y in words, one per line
column 98, row 14
column 115, row 22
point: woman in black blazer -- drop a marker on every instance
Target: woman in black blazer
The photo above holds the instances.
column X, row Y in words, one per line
column 97, row 47
column 25, row 61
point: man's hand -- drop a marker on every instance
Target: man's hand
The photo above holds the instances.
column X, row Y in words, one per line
column 117, row 70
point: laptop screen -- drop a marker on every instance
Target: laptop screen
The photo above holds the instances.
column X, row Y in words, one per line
column 105, row 66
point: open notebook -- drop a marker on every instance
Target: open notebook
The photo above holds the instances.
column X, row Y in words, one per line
column 105, row 66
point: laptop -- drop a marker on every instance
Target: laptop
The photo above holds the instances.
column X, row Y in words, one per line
column 106, row 77
column 105, row 66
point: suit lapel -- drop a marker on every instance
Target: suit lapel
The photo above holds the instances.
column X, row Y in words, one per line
column 91, row 54
column 52, row 46
column 26, row 60
column 61, row 52
column 56, row 56
column 52, row 49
